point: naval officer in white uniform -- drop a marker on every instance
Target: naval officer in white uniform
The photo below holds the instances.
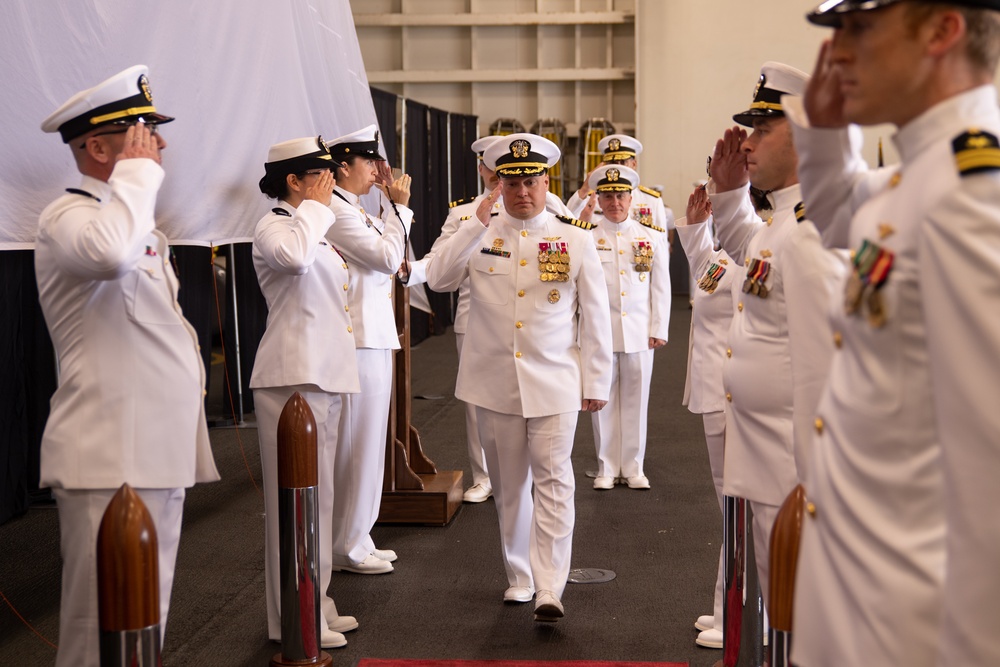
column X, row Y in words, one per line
column 129, row 407
column 633, row 254
column 373, row 247
column 898, row 563
column 537, row 351
column 459, row 211
column 308, row 347
column 757, row 374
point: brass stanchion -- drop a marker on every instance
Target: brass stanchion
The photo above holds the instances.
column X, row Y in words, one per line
column 298, row 479
column 785, row 540
column 128, row 583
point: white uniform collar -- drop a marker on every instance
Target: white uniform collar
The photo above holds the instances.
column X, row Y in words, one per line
column 352, row 199
column 945, row 119
column 786, row 198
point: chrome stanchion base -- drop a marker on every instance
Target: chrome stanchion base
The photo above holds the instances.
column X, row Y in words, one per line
column 131, row 648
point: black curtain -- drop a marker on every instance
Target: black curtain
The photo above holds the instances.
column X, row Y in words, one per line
column 385, row 112
column 417, row 162
column 196, row 296
column 27, row 382
column 437, row 209
column 251, row 311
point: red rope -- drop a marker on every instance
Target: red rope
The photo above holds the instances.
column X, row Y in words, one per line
column 27, row 625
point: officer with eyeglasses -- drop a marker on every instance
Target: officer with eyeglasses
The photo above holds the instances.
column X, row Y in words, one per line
column 129, row 406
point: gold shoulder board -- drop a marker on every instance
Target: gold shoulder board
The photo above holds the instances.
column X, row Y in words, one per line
column 650, row 191
column 576, row 223
column 976, row 151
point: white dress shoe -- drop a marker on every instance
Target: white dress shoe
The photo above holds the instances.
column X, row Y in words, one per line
column 638, row 482
column 706, row 622
column 343, row 624
column 388, row 555
column 548, row 608
column 518, row 594
column 332, row 639
column 372, row 564
column 711, row 638
column 604, row 482
column 477, row 493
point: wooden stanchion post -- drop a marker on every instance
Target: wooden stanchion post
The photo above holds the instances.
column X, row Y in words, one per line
column 784, row 562
column 298, row 479
column 128, row 583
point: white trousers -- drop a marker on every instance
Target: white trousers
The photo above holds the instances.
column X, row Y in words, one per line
column 327, row 411
column 536, row 535
column 80, row 514
column 715, row 439
column 360, row 463
column 763, row 523
column 620, row 428
column 477, row 459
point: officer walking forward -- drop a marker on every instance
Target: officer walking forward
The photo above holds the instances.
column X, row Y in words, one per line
column 537, row 351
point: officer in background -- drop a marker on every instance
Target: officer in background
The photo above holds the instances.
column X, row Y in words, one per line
column 711, row 316
column 373, row 248
column 129, row 406
column 307, row 349
column 632, row 254
column 460, row 211
column 621, row 149
column 537, row 351
column 898, row 563
column 757, row 374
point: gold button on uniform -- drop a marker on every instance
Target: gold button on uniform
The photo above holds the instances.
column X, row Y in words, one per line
column 811, row 508
column 204, row 392
column 838, row 339
column 623, row 293
column 729, row 397
column 624, row 313
column 350, row 330
column 729, row 352
column 519, row 325
column 520, row 292
column 621, row 252
column 517, row 354
column 347, row 309
column 622, row 272
column 524, row 232
column 524, row 262
column 345, row 287
column 819, row 425
column 344, row 265
column 739, row 306
column 491, row 269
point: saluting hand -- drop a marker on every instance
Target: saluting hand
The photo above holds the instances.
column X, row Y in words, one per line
column 321, row 189
column 585, row 186
column 485, row 208
column 399, row 190
column 729, row 164
column 699, row 206
column 823, row 100
column 140, row 142
column 588, row 211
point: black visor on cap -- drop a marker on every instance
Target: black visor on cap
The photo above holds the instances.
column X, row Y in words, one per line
column 120, row 112
column 830, row 13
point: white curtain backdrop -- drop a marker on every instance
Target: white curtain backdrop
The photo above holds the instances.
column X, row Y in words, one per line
column 239, row 75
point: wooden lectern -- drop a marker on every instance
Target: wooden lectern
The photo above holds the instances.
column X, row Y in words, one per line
column 413, row 491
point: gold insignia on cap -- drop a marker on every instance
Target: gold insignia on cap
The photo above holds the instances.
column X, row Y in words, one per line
column 144, row 87
column 520, row 148
column 615, row 144
column 885, row 230
column 760, row 84
column 613, row 174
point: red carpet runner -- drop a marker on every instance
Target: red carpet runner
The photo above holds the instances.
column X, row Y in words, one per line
column 370, row 662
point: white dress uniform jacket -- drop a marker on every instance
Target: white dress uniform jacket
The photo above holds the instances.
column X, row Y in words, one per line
column 757, row 373
column 309, row 336
column 905, row 468
column 130, row 406
column 519, row 317
column 710, row 320
column 374, row 251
